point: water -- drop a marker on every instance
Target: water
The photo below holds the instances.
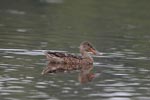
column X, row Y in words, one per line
column 119, row 29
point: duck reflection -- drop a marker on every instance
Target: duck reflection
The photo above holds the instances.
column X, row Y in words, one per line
column 54, row 68
column 85, row 74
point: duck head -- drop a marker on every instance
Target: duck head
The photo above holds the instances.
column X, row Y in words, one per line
column 87, row 47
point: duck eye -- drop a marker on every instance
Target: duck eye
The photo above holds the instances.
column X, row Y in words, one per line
column 85, row 46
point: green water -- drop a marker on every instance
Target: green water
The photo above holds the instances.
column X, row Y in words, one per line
column 118, row 28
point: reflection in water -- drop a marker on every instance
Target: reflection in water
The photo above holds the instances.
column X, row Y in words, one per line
column 85, row 75
column 53, row 68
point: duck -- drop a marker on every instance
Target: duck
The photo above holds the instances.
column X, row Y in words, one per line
column 86, row 49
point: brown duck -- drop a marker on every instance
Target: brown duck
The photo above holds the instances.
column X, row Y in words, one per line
column 64, row 58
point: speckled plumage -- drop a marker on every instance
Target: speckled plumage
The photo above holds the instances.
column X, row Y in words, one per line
column 65, row 58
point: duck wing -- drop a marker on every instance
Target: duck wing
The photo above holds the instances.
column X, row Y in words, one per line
column 61, row 55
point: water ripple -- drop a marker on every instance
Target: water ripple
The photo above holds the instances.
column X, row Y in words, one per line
column 115, row 94
column 25, row 52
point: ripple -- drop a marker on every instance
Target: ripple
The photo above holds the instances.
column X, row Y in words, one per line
column 11, row 57
column 25, row 52
column 112, row 55
column 27, row 81
column 14, row 11
column 42, row 83
column 21, row 30
column 41, row 87
column 112, row 85
column 119, row 98
column 115, row 94
column 8, row 79
column 15, row 87
column 87, row 88
column 3, row 49
column 12, row 91
column 10, row 98
column 123, row 89
column 38, row 95
column 143, row 98
column 55, row 85
column 52, row 1
column 138, row 58
column 5, row 93
column 10, row 70
column 65, row 91
column 67, row 88
column 29, row 77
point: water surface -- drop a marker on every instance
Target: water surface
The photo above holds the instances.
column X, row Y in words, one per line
column 119, row 29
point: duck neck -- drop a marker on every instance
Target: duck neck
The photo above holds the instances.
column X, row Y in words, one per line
column 86, row 55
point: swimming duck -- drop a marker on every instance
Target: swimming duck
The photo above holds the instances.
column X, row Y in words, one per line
column 64, row 58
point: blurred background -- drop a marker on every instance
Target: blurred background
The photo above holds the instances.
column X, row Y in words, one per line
column 118, row 28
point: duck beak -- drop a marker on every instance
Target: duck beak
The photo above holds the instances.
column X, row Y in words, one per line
column 95, row 52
